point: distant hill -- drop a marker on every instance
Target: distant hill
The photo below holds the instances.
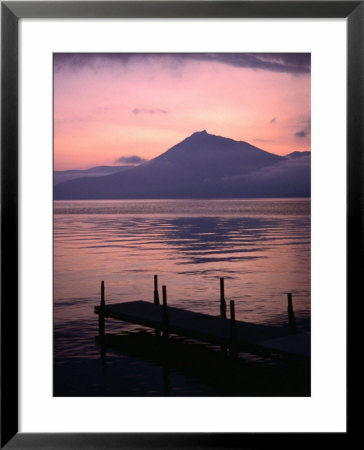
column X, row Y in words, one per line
column 297, row 154
column 201, row 166
column 59, row 176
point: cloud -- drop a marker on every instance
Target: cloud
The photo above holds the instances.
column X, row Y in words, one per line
column 301, row 134
column 303, row 123
column 137, row 111
column 294, row 167
column 294, row 63
column 132, row 160
column 290, row 177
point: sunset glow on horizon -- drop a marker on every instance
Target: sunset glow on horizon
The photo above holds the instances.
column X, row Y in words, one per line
column 114, row 108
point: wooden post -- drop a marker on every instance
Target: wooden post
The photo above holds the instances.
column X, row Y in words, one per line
column 222, row 299
column 233, row 351
column 165, row 312
column 291, row 319
column 102, row 311
column 156, row 301
column 156, row 295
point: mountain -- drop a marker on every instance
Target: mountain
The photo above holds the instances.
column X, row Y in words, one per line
column 201, row 166
column 297, row 154
column 64, row 175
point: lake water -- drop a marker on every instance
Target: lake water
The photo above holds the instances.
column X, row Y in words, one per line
column 261, row 247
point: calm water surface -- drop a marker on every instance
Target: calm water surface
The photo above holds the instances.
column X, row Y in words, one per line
column 260, row 246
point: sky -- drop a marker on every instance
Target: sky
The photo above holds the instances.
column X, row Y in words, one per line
column 112, row 109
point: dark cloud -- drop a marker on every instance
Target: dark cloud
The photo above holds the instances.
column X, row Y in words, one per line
column 94, row 61
column 294, row 63
column 274, row 120
column 301, row 134
column 303, row 124
column 137, row 111
column 130, row 160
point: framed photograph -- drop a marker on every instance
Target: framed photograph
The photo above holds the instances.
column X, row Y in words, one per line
column 181, row 221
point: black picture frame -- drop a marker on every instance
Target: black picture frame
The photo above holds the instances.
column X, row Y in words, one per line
column 11, row 12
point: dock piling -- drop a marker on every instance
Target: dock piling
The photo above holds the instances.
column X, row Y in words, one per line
column 291, row 318
column 252, row 337
column 165, row 312
column 156, row 294
column 222, row 299
column 233, row 350
column 102, row 311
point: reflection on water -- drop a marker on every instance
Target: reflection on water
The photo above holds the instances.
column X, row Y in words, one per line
column 261, row 247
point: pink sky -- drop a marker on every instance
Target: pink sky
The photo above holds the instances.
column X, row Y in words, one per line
column 112, row 106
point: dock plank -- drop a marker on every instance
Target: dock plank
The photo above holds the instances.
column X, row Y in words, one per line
column 204, row 327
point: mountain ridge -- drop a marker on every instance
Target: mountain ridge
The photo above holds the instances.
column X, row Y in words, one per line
column 202, row 165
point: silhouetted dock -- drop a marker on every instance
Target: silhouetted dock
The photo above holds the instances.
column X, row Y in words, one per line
column 234, row 334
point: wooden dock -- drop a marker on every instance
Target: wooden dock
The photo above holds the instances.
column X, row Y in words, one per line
column 236, row 335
